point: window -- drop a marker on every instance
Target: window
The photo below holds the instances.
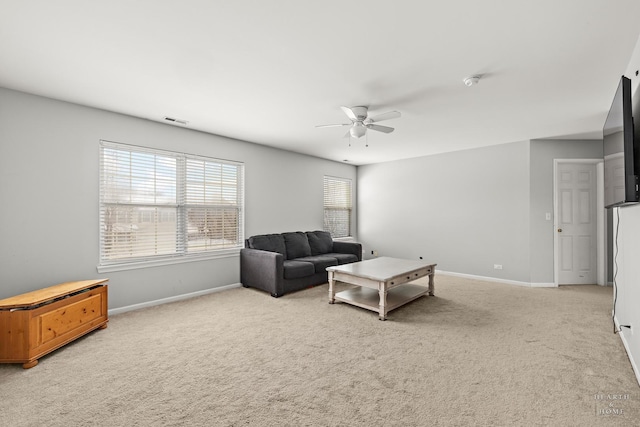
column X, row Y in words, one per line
column 337, row 206
column 158, row 206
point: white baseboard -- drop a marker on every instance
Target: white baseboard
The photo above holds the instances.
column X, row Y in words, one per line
column 626, row 348
column 120, row 310
column 495, row 279
column 543, row 285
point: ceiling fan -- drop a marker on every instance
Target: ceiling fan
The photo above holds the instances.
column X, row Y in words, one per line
column 360, row 121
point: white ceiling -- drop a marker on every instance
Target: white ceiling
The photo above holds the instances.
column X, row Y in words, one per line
column 270, row 71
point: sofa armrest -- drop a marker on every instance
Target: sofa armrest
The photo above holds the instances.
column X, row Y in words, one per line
column 348, row 248
column 263, row 270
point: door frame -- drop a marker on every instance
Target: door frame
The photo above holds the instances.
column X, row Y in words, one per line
column 601, row 229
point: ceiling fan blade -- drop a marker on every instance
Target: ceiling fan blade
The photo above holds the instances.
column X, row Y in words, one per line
column 385, row 129
column 349, row 112
column 334, row 125
column 384, row 116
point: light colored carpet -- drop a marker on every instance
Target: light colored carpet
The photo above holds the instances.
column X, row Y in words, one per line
column 479, row 353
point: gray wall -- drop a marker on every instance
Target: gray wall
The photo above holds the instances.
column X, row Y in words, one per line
column 49, row 191
column 465, row 210
column 469, row 210
column 628, row 242
column 543, row 152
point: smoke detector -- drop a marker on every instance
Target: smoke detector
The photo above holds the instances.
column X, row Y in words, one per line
column 471, row 80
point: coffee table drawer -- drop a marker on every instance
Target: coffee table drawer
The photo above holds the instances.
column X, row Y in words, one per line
column 409, row 277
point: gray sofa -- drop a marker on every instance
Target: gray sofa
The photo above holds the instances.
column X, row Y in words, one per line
column 288, row 262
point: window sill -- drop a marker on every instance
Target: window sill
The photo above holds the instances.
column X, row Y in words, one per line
column 122, row 266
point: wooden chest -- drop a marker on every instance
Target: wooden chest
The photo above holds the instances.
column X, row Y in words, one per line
column 38, row 322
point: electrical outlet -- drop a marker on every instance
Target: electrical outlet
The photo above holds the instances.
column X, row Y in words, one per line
column 375, row 253
column 497, row 266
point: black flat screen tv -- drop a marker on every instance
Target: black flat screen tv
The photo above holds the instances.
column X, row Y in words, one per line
column 620, row 151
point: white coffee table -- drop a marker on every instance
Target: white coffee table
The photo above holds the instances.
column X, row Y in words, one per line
column 382, row 283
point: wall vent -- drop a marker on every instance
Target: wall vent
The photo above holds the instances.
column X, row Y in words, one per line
column 176, row 121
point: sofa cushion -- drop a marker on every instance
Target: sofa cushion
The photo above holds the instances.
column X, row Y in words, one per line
column 320, row 262
column 320, row 242
column 268, row 242
column 343, row 258
column 297, row 245
column 296, row 269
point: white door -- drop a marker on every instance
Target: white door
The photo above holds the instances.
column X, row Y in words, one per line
column 576, row 223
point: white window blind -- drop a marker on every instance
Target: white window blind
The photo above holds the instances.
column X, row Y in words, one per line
column 158, row 204
column 337, row 206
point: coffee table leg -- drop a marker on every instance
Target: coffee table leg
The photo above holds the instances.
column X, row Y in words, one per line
column 382, row 290
column 332, row 292
column 431, row 284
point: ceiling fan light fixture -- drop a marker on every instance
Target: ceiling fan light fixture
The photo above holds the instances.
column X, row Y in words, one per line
column 357, row 130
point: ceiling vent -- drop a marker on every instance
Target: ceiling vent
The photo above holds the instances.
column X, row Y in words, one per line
column 176, row 121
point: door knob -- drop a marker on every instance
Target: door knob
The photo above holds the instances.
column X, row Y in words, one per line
column 559, row 230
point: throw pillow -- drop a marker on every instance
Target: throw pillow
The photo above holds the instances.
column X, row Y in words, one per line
column 268, row 242
column 320, row 242
column 297, row 245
